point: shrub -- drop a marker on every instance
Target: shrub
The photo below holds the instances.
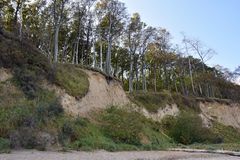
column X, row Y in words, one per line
column 122, row 126
column 12, row 118
column 4, row 145
column 23, row 137
column 91, row 137
column 187, row 128
column 46, row 111
column 55, row 109
column 27, row 81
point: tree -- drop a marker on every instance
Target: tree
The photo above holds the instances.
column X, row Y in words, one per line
column 58, row 12
column 162, row 41
column 114, row 14
column 146, row 38
column 133, row 37
column 204, row 53
column 83, row 28
column 186, row 47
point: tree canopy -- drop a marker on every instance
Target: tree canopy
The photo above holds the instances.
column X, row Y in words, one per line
column 101, row 34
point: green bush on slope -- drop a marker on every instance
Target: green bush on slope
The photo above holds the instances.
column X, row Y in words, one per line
column 4, row 145
column 187, row 128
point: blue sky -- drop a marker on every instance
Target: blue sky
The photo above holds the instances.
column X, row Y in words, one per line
column 214, row 22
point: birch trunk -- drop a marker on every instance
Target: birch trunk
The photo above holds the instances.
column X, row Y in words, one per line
column 144, row 82
column 191, row 75
column 101, row 58
column 155, row 78
column 131, row 74
column 56, row 33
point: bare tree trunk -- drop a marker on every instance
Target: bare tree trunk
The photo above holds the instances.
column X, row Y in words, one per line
column 155, row 78
column 191, row 75
column 101, row 55
column 175, row 84
column 64, row 52
column 77, row 52
column 56, row 33
column 108, row 58
column 166, row 76
column 14, row 27
column 131, row 74
column 136, row 72
column 73, row 53
column 144, row 83
column 94, row 55
column 21, row 21
column 200, row 89
column 87, row 50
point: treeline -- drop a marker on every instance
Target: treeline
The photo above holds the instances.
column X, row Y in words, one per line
column 101, row 34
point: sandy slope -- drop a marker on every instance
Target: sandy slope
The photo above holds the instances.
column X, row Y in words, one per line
column 101, row 94
column 227, row 114
column 102, row 155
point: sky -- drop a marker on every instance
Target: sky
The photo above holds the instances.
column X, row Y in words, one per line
column 215, row 22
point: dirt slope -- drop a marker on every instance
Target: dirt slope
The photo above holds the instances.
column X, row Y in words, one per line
column 227, row 114
column 101, row 94
column 168, row 110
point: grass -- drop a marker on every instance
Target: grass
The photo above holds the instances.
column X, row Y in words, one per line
column 72, row 79
column 4, row 145
column 10, row 94
column 115, row 134
column 229, row 134
column 154, row 101
column 129, row 127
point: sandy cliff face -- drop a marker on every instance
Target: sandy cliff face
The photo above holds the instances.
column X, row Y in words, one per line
column 168, row 110
column 101, row 94
column 227, row 114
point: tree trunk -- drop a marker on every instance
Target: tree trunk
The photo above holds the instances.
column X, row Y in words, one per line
column 131, row 74
column 191, row 76
column 200, row 89
column 94, row 56
column 77, row 52
column 21, row 21
column 64, row 54
column 108, row 58
column 73, row 53
column 155, row 78
column 56, row 33
column 144, row 83
column 136, row 72
column 101, row 56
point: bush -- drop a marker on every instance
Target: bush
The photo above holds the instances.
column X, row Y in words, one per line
column 13, row 117
column 46, row 111
column 23, row 138
column 27, row 81
column 122, row 126
column 4, row 145
column 187, row 128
